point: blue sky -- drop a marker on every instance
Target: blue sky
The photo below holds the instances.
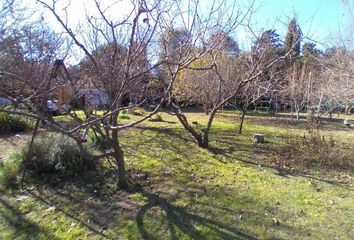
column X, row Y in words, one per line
column 320, row 20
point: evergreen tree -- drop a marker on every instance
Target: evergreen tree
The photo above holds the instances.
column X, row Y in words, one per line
column 292, row 41
column 269, row 40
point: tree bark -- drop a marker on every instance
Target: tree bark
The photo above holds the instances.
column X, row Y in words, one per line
column 199, row 138
column 244, row 111
column 207, row 129
column 206, row 109
column 119, row 157
column 202, row 139
column 118, row 154
column 29, row 154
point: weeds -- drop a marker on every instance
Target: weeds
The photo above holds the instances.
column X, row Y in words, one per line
column 313, row 148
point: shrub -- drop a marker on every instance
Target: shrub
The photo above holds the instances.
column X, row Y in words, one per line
column 9, row 171
column 57, row 153
column 313, row 149
column 50, row 154
column 11, row 124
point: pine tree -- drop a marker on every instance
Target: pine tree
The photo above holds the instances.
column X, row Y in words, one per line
column 269, row 40
column 292, row 41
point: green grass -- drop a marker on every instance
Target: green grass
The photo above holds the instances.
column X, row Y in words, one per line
column 231, row 192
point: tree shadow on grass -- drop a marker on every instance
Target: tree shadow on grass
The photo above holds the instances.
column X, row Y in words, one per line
column 201, row 224
column 73, row 214
column 88, row 201
column 179, row 218
column 23, row 228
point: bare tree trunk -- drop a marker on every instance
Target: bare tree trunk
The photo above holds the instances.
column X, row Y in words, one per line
column 206, row 109
column 182, row 118
column 202, row 139
column 297, row 114
column 118, row 155
column 199, row 138
column 29, row 154
column 207, row 129
column 348, row 108
column 242, row 120
column 297, row 110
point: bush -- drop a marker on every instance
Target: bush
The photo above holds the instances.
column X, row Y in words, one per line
column 57, row 153
column 12, row 124
column 9, row 171
column 314, row 149
column 50, row 154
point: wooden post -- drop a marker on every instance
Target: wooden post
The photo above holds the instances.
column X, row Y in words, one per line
column 258, row 138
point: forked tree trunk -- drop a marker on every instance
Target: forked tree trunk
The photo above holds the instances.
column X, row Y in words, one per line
column 202, row 139
column 348, row 108
column 182, row 118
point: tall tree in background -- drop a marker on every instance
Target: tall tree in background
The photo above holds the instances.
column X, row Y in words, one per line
column 267, row 48
column 292, row 40
column 26, row 57
column 293, row 69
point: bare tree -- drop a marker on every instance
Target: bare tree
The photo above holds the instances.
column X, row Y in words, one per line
column 115, row 61
column 119, row 57
column 333, row 88
column 195, row 86
column 251, row 68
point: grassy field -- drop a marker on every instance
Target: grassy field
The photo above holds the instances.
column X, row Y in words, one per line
column 233, row 191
